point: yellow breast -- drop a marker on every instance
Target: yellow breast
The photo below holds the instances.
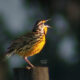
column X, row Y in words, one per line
column 36, row 48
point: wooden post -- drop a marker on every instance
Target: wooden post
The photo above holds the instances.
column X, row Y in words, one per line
column 37, row 73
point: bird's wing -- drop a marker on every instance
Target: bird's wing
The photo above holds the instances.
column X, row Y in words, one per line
column 26, row 40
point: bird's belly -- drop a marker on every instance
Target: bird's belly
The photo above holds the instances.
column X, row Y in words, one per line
column 36, row 48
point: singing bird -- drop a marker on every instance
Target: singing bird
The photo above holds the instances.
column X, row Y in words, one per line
column 31, row 43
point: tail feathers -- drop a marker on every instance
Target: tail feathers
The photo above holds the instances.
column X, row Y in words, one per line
column 6, row 56
column 9, row 55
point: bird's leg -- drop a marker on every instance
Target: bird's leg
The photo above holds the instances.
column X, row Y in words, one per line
column 26, row 59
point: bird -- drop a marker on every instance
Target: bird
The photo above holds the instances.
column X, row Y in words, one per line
column 30, row 43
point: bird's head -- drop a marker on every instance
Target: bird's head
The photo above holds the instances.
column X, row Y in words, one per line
column 40, row 26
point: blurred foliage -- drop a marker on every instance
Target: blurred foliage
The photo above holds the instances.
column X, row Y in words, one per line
column 63, row 40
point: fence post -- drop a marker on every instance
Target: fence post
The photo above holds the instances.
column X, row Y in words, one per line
column 37, row 73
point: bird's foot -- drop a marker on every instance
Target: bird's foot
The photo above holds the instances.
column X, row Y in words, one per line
column 30, row 64
column 30, row 67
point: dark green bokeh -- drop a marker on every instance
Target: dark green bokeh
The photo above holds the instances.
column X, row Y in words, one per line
column 59, row 68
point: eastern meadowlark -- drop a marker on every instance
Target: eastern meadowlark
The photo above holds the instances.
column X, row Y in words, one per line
column 30, row 43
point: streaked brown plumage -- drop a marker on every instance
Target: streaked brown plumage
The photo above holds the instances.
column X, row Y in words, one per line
column 31, row 43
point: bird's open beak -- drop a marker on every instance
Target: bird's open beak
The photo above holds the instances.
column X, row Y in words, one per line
column 44, row 21
column 47, row 25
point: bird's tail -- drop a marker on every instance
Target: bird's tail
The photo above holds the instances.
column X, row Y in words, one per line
column 9, row 55
column 6, row 56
